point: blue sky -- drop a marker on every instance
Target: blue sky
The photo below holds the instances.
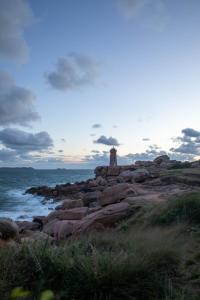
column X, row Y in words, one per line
column 131, row 66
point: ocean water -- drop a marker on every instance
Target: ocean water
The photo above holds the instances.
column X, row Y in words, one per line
column 17, row 205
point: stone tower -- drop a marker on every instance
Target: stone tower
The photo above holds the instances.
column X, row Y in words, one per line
column 113, row 157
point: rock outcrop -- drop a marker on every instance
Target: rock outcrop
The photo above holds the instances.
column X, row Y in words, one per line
column 106, row 217
column 100, row 202
column 116, row 193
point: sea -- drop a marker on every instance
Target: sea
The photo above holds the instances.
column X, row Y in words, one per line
column 17, row 205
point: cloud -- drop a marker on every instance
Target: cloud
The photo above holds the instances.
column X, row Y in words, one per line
column 96, row 159
column 22, row 141
column 102, row 158
column 188, row 143
column 145, row 139
column 15, row 16
column 7, row 155
column 191, row 132
column 73, row 72
column 188, row 148
column 16, row 103
column 96, row 126
column 151, row 153
column 107, row 141
column 150, row 13
column 95, row 151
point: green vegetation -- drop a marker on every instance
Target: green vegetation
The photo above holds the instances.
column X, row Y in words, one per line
column 98, row 267
column 184, row 208
column 188, row 176
column 141, row 259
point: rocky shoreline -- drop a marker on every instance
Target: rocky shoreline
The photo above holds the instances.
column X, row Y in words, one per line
column 102, row 202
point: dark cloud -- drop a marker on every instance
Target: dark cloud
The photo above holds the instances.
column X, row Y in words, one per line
column 22, row 141
column 16, row 103
column 73, row 72
column 96, row 126
column 188, row 143
column 60, row 151
column 188, row 148
column 107, row 141
column 7, row 155
column 15, row 16
column 189, row 132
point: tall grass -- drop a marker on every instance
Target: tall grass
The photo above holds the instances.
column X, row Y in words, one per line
column 185, row 208
column 110, row 266
column 134, row 261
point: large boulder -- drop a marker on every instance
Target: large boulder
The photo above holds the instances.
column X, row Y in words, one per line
column 8, row 229
column 90, row 197
column 49, row 227
column 69, row 204
column 140, row 175
column 100, row 181
column 27, row 225
column 116, row 193
column 64, row 229
column 68, row 214
column 106, row 217
column 98, row 220
column 161, row 159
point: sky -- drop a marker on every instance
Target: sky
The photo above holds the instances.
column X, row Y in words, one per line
column 78, row 77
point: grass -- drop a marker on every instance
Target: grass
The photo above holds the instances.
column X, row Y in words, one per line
column 137, row 260
column 109, row 266
column 185, row 208
column 188, row 176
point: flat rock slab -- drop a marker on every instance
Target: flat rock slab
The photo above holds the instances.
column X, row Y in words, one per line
column 68, row 214
column 107, row 216
column 69, row 204
column 61, row 229
column 116, row 193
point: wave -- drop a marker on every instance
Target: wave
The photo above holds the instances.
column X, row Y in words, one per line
column 21, row 206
